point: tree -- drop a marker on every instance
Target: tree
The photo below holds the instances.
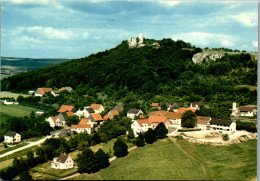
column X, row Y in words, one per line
column 72, row 120
column 139, row 141
column 87, row 161
column 102, row 159
column 25, row 176
column 120, row 148
column 95, row 139
column 161, row 131
column 164, row 107
column 30, row 158
column 130, row 134
column 188, row 119
column 150, row 136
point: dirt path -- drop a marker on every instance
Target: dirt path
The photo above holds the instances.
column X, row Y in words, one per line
column 191, row 157
column 26, row 146
column 110, row 160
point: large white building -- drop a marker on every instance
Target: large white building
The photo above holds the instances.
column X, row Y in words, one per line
column 12, row 137
column 131, row 113
column 221, row 124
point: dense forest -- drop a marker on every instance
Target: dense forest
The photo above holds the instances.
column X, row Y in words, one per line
column 145, row 72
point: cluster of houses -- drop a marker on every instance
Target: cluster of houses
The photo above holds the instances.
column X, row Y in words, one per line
column 42, row 91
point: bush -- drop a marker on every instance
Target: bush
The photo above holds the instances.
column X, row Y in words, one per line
column 102, row 159
column 150, row 136
column 120, row 148
column 161, row 131
column 248, row 126
column 87, row 161
column 139, row 141
column 225, row 137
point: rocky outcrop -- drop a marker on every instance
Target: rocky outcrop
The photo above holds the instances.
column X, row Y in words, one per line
column 199, row 57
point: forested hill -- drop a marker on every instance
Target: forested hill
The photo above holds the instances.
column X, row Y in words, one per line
column 148, row 71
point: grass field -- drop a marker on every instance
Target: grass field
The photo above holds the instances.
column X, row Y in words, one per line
column 12, row 148
column 45, row 172
column 10, row 94
column 8, row 111
column 250, row 87
column 171, row 159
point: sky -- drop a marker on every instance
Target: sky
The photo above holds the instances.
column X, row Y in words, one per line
column 77, row 28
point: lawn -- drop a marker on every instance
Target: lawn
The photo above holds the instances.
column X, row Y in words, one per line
column 171, row 159
column 45, row 172
column 10, row 94
column 8, row 111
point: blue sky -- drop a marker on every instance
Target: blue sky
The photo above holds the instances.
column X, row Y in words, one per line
column 77, row 28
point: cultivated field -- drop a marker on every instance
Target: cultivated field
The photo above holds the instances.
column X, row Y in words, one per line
column 172, row 159
column 14, row 95
column 8, row 111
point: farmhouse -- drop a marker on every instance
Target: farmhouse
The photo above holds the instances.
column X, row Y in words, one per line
column 85, row 112
column 64, row 115
column 246, row 111
column 131, row 113
column 64, row 161
column 174, row 119
column 55, row 121
column 84, row 125
column 154, row 120
column 11, row 137
column 98, row 108
column 42, row 91
column 96, row 118
column 221, row 124
column 113, row 113
column 139, row 126
column 66, row 108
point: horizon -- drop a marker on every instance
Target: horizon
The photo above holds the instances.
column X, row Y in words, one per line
column 75, row 29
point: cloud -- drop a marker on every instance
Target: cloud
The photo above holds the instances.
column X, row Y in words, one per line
column 207, row 39
column 169, row 3
column 255, row 44
column 248, row 19
column 28, row 1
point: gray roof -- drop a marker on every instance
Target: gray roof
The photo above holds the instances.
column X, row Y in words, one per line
column 119, row 108
column 63, row 116
column 220, row 122
column 133, row 111
column 62, row 158
column 90, row 110
column 10, row 133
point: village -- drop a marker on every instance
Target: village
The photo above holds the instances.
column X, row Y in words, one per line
column 207, row 130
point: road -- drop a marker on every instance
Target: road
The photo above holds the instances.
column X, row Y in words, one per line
column 110, row 160
column 26, row 146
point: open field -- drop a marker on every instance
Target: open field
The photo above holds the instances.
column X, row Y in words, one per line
column 45, row 172
column 171, row 159
column 12, row 148
column 8, row 111
column 10, row 94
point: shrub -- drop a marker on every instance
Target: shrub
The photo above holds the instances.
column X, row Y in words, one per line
column 150, row 136
column 120, row 148
column 139, row 141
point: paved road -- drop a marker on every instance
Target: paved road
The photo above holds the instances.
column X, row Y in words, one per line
column 26, row 146
column 110, row 160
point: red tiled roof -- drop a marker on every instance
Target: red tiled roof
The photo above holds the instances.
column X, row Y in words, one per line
column 157, row 119
column 182, row 110
column 169, row 115
column 44, row 90
column 143, row 121
column 65, row 108
column 142, row 116
column 83, row 121
column 81, row 126
column 62, row 89
column 155, row 104
column 70, row 113
column 97, row 117
column 95, row 106
column 114, row 112
column 106, row 117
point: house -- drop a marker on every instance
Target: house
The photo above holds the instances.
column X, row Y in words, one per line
column 156, row 105
column 174, row 108
column 85, row 112
column 96, row 118
column 66, row 88
column 246, row 111
column 64, row 161
column 11, row 137
column 55, row 93
column 119, row 108
column 195, row 105
column 202, row 122
column 106, row 117
column 131, row 113
column 174, row 118
column 154, row 120
column 66, row 108
column 139, row 126
column 64, row 115
column 9, row 101
column 55, row 121
column 221, row 124
column 84, row 125
column 182, row 110
column 98, row 108
column 42, row 91
column 113, row 113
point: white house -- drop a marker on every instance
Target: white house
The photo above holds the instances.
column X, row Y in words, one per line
column 84, row 125
column 202, row 122
column 85, row 112
column 9, row 102
column 195, row 105
column 173, row 118
column 221, row 124
column 139, row 126
column 131, row 113
column 64, row 161
column 246, row 111
column 55, row 121
column 11, row 137
column 98, row 108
